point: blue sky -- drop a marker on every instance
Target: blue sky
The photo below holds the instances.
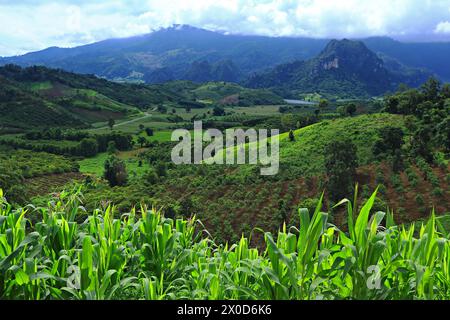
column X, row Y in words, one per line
column 30, row 25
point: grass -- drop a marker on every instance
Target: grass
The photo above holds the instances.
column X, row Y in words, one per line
column 38, row 86
column 144, row 255
column 308, row 157
column 160, row 136
column 95, row 165
column 305, row 155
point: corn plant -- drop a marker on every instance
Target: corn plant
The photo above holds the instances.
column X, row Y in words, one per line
column 72, row 254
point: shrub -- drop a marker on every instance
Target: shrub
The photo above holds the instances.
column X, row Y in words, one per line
column 115, row 172
column 438, row 192
column 309, row 203
column 340, row 163
column 420, row 200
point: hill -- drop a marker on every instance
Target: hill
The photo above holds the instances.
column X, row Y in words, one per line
column 226, row 93
column 242, row 199
column 20, row 108
column 176, row 52
column 344, row 68
column 38, row 96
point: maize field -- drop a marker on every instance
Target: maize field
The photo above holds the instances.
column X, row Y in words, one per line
column 62, row 252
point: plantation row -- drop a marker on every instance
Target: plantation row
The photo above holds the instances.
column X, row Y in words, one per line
column 69, row 254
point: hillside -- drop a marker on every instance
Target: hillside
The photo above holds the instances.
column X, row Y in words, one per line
column 176, row 52
column 38, row 96
column 20, row 108
column 242, row 199
column 344, row 68
column 223, row 93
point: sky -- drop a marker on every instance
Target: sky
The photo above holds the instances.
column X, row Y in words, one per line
column 31, row 25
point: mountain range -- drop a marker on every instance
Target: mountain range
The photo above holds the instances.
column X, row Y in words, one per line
column 185, row 52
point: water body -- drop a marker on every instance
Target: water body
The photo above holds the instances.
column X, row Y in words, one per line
column 300, row 102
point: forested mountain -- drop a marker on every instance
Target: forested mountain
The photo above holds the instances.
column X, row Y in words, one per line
column 184, row 52
column 345, row 68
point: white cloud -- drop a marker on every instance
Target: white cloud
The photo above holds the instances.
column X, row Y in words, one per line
column 34, row 24
column 443, row 27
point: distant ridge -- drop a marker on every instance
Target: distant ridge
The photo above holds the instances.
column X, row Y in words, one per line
column 171, row 53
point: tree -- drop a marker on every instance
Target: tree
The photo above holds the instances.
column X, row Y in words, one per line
column 342, row 110
column 283, row 109
column 340, row 162
column 142, row 141
column 88, row 147
column 141, row 127
column 115, row 172
column 291, row 135
column 162, row 109
column 151, row 177
column 287, row 122
column 187, row 206
column 111, row 147
column 188, row 109
column 445, row 91
column 161, row 169
column 323, row 104
column 149, row 131
column 351, row 109
column 217, row 111
column 391, row 140
column 421, row 143
column 431, row 89
column 111, row 123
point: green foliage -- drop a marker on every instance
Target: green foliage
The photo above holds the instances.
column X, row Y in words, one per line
column 111, row 123
column 217, row 111
column 153, row 257
column 341, row 162
column 429, row 127
column 391, row 140
column 350, row 109
column 111, row 147
column 72, row 143
column 291, row 135
column 18, row 165
column 88, row 147
column 115, row 172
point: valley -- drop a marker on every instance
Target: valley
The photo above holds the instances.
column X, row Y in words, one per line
column 85, row 166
